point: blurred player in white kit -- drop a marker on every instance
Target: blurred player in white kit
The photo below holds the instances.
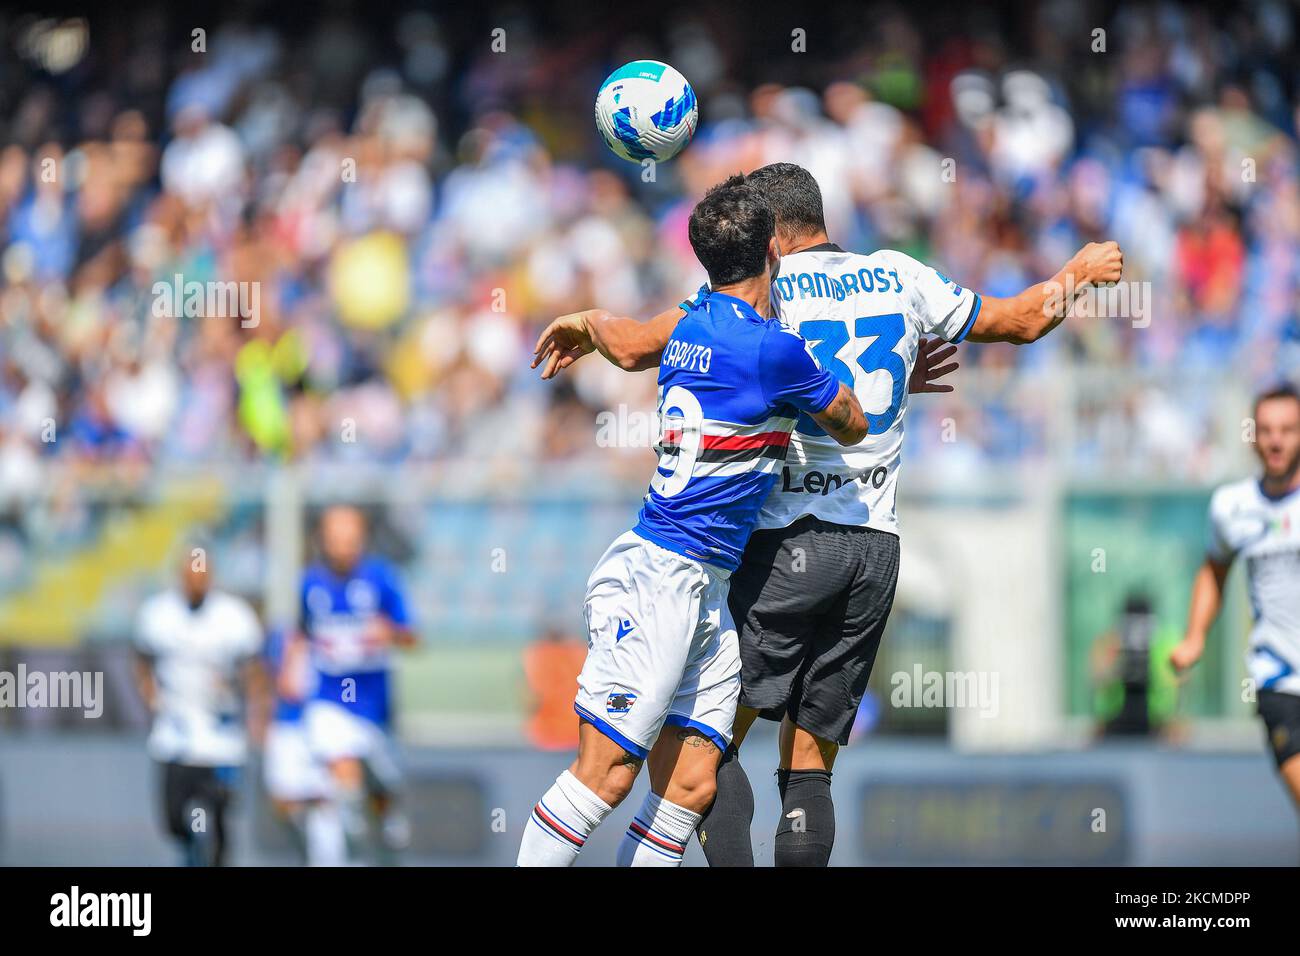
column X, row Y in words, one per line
column 198, row 665
column 1258, row 519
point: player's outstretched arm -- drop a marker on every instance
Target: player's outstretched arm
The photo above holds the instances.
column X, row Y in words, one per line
column 628, row 343
column 1207, row 599
column 1033, row 313
column 634, row 345
column 842, row 419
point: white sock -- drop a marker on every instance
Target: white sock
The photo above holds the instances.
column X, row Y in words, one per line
column 327, row 844
column 560, row 823
column 351, row 804
column 658, row 834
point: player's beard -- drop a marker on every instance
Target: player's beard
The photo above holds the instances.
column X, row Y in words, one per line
column 1287, row 473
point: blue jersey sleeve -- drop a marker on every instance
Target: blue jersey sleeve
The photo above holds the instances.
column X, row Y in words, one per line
column 304, row 615
column 273, row 650
column 788, row 374
column 391, row 599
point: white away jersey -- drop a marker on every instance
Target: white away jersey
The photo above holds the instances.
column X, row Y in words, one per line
column 1266, row 533
column 863, row 317
column 197, row 657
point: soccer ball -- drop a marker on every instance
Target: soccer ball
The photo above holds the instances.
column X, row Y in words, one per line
column 646, row 110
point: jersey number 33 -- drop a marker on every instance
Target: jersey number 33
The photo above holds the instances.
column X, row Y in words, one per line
column 871, row 347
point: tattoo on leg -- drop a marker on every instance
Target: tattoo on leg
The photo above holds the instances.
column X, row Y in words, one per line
column 631, row 760
column 693, row 738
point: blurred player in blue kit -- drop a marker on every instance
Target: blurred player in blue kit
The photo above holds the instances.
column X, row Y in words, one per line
column 353, row 613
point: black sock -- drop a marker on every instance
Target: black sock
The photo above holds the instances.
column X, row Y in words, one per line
column 806, row 831
column 724, row 829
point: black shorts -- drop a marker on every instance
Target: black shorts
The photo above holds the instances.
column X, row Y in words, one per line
column 1281, row 713
column 187, row 788
column 810, row 602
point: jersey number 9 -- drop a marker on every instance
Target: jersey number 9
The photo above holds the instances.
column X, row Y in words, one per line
column 681, row 424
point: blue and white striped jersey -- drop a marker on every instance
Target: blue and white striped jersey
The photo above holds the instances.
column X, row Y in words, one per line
column 732, row 385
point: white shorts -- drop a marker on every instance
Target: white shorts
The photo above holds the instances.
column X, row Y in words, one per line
column 662, row 647
column 335, row 733
column 289, row 770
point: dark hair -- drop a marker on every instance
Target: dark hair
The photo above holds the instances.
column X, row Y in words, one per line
column 1285, row 390
column 729, row 231
column 794, row 196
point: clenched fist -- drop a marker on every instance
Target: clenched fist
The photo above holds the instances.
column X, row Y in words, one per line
column 1098, row 263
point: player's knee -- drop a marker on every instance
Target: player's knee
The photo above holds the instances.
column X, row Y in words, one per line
column 1289, row 770
column 810, row 752
column 615, row 787
column 693, row 790
column 348, row 773
column 610, row 781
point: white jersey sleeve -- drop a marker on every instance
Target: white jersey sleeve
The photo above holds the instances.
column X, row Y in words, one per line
column 1218, row 546
column 938, row 304
column 146, row 638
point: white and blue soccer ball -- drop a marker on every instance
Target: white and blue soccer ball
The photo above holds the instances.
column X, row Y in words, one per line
column 646, row 110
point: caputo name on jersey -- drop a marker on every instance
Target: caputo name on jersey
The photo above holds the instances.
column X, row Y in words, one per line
column 820, row 285
column 687, row 355
column 823, row 483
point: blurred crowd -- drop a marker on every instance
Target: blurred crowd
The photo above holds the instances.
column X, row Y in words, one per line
column 412, row 205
